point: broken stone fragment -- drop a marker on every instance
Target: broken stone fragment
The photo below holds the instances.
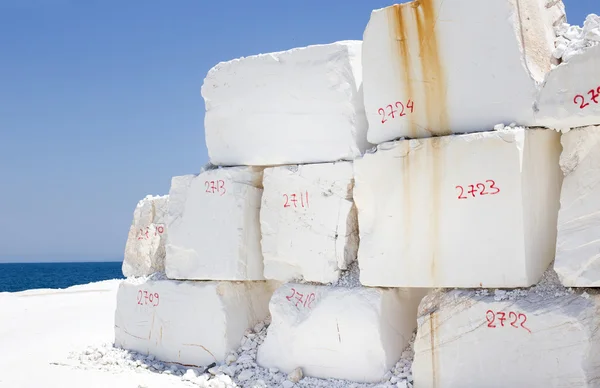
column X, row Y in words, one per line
column 570, row 95
column 484, row 201
column 420, row 79
column 214, row 227
column 302, row 105
column 145, row 248
column 168, row 318
column 577, row 262
column 355, row 334
column 308, row 222
column 470, row 340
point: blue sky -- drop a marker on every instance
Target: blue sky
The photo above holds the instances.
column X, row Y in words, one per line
column 100, row 104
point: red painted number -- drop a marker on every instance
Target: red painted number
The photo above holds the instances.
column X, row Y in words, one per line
column 502, row 317
column 479, row 189
column 524, row 320
column 392, row 111
column 490, row 316
column 492, row 183
column 291, row 296
column 310, row 299
column 215, row 187
column 594, row 95
column 146, row 298
column 401, row 109
column 293, row 199
column 299, row 300
column 381, row 112
column 580, row 99
column 145, row 235
column 510, row 314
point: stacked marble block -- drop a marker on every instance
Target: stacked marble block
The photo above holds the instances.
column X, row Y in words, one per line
column 475, row 205
column 306, row 136
column 210, row 297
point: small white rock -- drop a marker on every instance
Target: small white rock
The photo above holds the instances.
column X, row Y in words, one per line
column 273, row 370
column 230, row 359
column 245, row 375
column 190, row 375
column 287, row 384
column 295, row 375
column 259, row 326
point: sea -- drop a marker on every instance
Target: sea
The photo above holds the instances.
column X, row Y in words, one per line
column 26, row 276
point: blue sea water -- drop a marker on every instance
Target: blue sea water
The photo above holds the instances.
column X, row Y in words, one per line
column 25, row 276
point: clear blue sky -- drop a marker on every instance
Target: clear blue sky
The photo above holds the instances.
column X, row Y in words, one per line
column 100, row 104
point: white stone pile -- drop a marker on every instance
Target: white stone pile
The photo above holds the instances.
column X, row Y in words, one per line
column 145, row 249
column 573, row 40
column 347, row 180
column 213, row 269
column 570, row 94
column 300, row 113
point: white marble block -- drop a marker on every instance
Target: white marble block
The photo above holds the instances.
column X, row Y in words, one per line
column 474, row 210
column 308, row 222
column 436, row 67
column 355, row 334
column 190, row 323
column 570, row 96
column 303, row 105
column 145, row 248
column 214, row 227
column 465, row 340
column 577, row 248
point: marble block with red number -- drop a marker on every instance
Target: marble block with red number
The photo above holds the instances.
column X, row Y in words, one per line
column 355, row 334
column 308, row 222
column 577, row 262
column 214, row 227
column 422, row 79
column 570, row 96
column 533, row 339
column 473, row 210
column 303, row 105
column 190, row 323
column 145, row 248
